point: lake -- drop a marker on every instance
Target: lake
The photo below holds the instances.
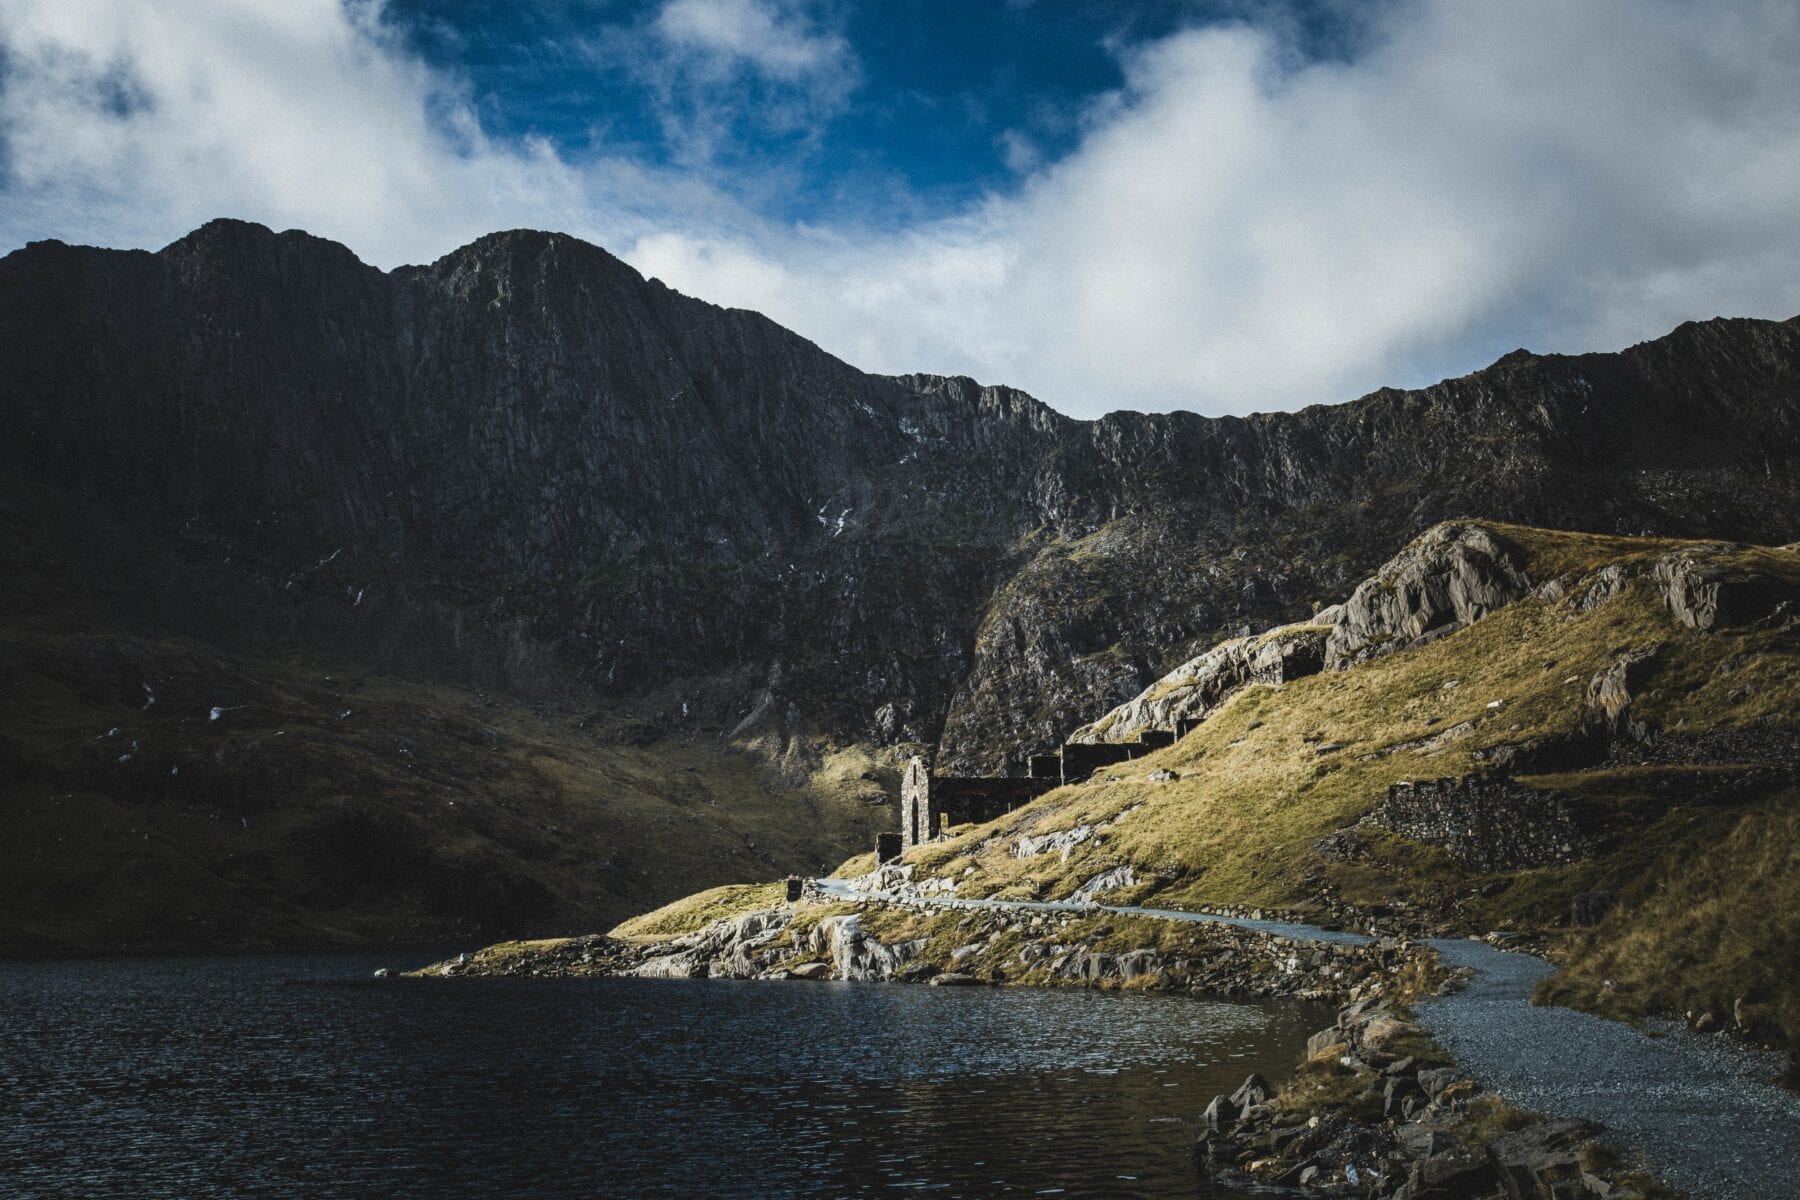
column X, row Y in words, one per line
column 299, row 1074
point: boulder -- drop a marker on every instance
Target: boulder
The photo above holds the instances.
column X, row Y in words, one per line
column 1326, row 1042
column 955, row 979
column 1139, row 963
column 1610, row 691
column 1530, row 1162
column 1399, row 1089
column 811, row 970
column 1434, row 1081
column 857, row 953
column 1221, row 1113
column 1385, row 1030
column 1704, row 594
column 1456, row 1173
column 1421, row 1141
column 1254, row 1090
column 1454, row 573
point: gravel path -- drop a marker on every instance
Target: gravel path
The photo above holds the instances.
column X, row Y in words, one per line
column 1694, row 1104
column 841, row 889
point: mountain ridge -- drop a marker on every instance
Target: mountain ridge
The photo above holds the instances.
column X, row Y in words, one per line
column 592, row 460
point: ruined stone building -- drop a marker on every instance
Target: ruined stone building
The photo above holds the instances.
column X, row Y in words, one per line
column 930, row 804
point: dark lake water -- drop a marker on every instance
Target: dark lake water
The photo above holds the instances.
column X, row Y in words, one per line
column 298, row 1075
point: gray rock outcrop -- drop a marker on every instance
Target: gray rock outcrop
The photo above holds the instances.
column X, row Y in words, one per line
column 1110, row 880
column 1194, row 689
column 1611, row 691
column 725, row 949
column 1452, row 575
column 1455, row 574
column 1705, row 594
column 855, row 952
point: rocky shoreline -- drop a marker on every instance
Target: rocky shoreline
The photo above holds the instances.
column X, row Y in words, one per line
column 1374, row 1109
column 915, row 941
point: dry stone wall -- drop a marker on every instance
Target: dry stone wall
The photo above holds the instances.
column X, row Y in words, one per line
column 1488, row 822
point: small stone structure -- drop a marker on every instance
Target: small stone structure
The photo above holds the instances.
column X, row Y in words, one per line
column 1081, row 759
column 1488, row 822
column 930, row 803
column 888, row 848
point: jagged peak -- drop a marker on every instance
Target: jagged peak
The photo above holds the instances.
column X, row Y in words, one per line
column 534, row 243
column 975, row 394
column 229, row 236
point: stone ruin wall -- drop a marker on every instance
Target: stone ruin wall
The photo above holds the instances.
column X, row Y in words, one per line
column 1488, row 822
column 928, row 803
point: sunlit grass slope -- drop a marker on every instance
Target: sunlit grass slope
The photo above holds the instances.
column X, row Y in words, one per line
column 1701, row 856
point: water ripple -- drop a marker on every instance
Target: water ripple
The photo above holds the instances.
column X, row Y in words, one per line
column 215, row 1077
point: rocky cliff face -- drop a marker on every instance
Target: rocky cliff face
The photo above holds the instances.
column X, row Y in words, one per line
column 524, row 466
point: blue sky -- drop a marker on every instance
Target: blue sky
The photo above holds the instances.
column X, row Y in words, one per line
column 942, row 102
column 1228, row 207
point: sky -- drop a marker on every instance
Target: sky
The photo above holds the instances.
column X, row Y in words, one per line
column 1226, row 206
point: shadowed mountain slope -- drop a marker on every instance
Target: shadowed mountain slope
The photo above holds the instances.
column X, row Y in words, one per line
column 540, row 471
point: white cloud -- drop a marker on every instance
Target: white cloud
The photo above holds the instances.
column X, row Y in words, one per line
column 1019, row 152
column 726, row 72
column 1233, row 231
column 295, row 113
column 774, row 39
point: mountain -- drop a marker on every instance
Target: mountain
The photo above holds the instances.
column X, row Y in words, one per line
column 529, row 475
column 1589, row 742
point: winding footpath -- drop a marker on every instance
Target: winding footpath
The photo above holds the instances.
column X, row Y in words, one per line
column 843, row 889
column 1697, row 1106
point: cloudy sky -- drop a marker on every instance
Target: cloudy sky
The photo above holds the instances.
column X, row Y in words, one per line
column 1227, row 206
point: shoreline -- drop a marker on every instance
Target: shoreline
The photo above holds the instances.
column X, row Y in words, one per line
column 1385, row 1112
column 940, row 941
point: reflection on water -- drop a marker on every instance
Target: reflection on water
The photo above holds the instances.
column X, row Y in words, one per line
column 289, row 1074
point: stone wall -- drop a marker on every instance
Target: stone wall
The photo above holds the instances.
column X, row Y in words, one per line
column 917, row 822
column 1081, row 759
column 1487, row 821
column 928, row 804
column 971, row 801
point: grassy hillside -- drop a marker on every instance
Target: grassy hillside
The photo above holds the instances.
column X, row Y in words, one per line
column 328, row 803
column 1699, row 836
column 323, row 805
